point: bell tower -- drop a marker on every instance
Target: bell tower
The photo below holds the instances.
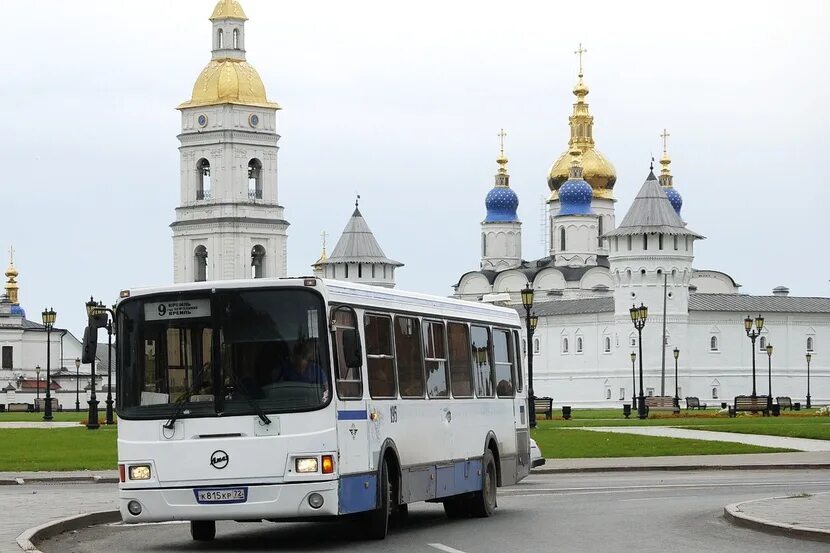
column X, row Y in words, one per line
column 229, row 224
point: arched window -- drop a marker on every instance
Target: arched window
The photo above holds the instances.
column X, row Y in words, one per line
column 200, row 264
column 810, row 344
column 675, row 241
column 713, row 343
column 660, row 241
column 599, row 232
column 236, row 39
column 629, row 242
column 607, row 344
column 203, row 179
column 220, row 39
column 608, row 393
column 564, row 345
column 714, row 393
column 257, row 261
column 762, row 343
column 347, row 270
column 536, row 345
column 483, row 245
column 360, row 270
column 645, row 241
column 562, row 239
column 579, row 345
column 255, row 179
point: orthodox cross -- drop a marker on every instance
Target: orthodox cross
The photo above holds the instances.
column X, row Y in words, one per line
column 501, row 136
column 357, row 200
column 323, row 236
column 664, row 136
column 11, row 255
column 579, row 53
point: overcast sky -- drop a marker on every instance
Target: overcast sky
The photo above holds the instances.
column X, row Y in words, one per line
column 401, row 103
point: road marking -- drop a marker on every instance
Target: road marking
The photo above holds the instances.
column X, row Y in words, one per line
column 445, row 548
column 657, row 497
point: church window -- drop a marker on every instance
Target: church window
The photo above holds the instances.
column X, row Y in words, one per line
column 220, row 39
column 347, row 270
column 564, row 345
column 762, row 343
column 607, row 344
column 255, row 179
column 599, row 237
column 536, row 345
column 713, row 343
column 608, row 393
column 359, row 270
column 203, row 179
column 562, row 239
column 622, row 394
column 645, row 241
column 8, row 357
column 660, row 241
column 629, row 243
column 579, row 345
column 616, row 243
column 384, row 271
column 675, row 242
column 714, row 393
column 483, row 245
column 373, row 270
column 200, row 264
column 687, row 244
column 257, row 258
column 810, row 344
column 236, row 39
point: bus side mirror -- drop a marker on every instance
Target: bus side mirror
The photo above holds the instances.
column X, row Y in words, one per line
column 351, row 348
column 90, row 345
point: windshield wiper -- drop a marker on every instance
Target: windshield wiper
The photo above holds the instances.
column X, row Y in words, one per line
column 247, row 397
column 180, row 404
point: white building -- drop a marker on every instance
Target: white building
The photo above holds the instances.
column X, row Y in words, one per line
column 595, row 271
column 229, row 224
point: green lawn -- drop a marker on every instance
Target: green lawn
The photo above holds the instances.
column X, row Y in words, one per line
column 58, row 416
column 57, row 449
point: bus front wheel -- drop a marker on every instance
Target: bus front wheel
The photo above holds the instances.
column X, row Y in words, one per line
column 377, row 521
column 483, row 503
column 203, row 530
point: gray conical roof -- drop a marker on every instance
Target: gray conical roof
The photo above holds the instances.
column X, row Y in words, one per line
column 357, row 244
column 652, row 213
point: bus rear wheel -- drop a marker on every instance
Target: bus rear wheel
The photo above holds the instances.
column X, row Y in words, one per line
column 203, row 530
column 456, row 507
column 377, row 521
column 483, row 503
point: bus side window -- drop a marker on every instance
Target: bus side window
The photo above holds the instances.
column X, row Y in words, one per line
column 380, row 366
column 460, row 366
column 480, row 347
column 517, row 348
column 435, row 359
column 349, row 383
column 504, row 363
column 408, row 355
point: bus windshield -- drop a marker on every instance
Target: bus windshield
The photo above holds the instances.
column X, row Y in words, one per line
column 232, row 352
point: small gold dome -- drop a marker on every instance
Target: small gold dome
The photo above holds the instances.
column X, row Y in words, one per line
column 229, row 81
column 596, row 170
column 228, row 9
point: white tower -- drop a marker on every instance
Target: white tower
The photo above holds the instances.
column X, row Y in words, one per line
column 501, row 230
column 229, row 224
column 575, row 226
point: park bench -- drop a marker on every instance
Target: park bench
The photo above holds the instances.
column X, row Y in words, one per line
column 694, row 403
column 40, row 405
column 544, row 405
column 661, row 403
column 751, row 404
column 785, row 402
column 20, row 408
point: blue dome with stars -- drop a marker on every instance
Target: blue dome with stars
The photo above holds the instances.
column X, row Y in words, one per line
column 675, row 198
column 575, row 197
column 501, row 204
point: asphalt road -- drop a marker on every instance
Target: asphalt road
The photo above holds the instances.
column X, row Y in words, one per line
column 642, row 511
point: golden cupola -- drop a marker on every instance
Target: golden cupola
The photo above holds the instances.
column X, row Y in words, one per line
column 12, row 288
column 228, row 78
column 597, row 170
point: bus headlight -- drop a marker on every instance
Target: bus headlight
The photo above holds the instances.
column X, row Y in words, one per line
column 139, row 472
column 306, row 464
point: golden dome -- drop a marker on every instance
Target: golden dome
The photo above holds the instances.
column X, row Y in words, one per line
column 228, row 9
column 596, row 171
column 229, row 81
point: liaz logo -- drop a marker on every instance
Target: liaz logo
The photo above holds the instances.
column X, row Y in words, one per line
column 219, row 459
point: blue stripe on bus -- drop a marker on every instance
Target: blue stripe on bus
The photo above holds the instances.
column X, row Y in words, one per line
column 352, row 415
column 357, row 493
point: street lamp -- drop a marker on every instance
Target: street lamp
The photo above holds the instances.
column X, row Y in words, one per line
column 633, row 381
column 753, row 333
column 676, row 390
column 769, row 360
column 101, row 310
column 77, row 379
column 638, row 317
column 48, row 316
column 92, row 418
column 37, row 372
column 531, row 321
column 809, row 358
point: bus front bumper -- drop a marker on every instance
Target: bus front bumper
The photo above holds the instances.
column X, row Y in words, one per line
column 269, row 501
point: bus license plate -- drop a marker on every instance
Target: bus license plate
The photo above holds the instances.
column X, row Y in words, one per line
column 221, row 495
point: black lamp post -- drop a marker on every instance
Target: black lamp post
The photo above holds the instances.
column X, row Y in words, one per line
column 769, row 360
column 92, row 418
column 633, row 381
column 638, row 317
column 101, row 310
column 676, row 390
column 753, row 333
column 77, row 380
column 809, row 358
column 48, row 317
column 531, row 321
column 37, row 372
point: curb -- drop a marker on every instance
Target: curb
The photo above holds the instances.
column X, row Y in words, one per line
column 634, row 468
column 733, row 514
column 29, row 539
column 59, row 479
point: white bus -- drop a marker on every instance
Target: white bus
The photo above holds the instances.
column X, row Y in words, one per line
column 300, row 399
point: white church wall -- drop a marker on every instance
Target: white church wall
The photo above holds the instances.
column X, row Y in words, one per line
column 713, row 282
column 509, row 281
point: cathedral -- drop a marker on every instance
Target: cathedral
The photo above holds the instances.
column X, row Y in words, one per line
column 585, row 346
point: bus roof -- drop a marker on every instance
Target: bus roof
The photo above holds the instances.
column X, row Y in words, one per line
column 339, row 291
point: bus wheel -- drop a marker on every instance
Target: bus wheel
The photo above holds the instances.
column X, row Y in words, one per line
column 483, row 503
column 377, row 521
column 456, row 507
column 203, row 530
